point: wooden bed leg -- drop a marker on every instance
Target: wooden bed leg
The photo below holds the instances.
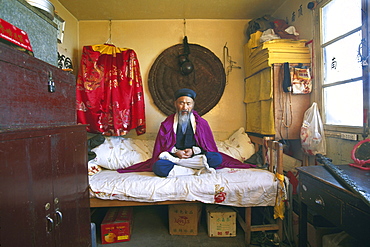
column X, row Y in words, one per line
column 280, row 231
column 248, row 225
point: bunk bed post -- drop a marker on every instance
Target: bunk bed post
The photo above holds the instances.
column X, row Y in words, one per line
column 278, row 163
column 276, row 160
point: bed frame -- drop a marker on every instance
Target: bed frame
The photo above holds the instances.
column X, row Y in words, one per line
column 275, row 161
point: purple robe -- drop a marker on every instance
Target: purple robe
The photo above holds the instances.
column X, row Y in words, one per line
column 166, row 139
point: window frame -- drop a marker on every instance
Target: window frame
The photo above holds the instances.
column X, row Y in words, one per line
column 319, row 70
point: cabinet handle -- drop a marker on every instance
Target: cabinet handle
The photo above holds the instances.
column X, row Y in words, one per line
column 49, row 224
column 51, row 84
column 319, row 201
column 58, row 217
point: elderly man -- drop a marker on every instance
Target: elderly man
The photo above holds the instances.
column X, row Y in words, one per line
column 185, row 144
column 187, row 153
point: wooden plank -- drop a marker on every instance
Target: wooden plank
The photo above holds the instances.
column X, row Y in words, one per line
column 242, row 223
column 268, row 227
column 343, row 178
column 97, row 203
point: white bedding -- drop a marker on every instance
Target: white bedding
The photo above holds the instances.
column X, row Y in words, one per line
column 120, row 152
column 233, row 187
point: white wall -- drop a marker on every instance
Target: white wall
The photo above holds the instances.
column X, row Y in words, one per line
column 70, row 45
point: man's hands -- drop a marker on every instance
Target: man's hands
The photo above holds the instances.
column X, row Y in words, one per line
column 184, row 154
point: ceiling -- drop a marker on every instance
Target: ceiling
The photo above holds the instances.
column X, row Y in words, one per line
column 169, row 9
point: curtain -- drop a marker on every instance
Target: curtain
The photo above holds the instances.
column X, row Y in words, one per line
column 109, row 94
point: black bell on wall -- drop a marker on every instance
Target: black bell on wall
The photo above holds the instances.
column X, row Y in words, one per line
column 186, row 66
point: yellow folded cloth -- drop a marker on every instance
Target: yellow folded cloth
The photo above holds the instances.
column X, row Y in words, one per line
column 254, row 39
column 279, row 208
column 259, row 103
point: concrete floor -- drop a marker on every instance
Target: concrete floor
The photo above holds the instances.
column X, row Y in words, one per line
column 150, row 228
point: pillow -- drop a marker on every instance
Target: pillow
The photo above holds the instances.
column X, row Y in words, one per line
column 93, row 168
column 226, row 148
column 118, row 152
column 238, row 146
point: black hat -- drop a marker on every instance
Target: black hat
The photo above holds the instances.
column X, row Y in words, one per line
column 185, row 92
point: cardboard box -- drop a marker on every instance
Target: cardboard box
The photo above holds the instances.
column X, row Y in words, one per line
column 184, row 218
column 221, row 221
column 116, row 225
column 314, row 233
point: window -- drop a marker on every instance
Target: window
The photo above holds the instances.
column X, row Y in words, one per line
column 342, row 48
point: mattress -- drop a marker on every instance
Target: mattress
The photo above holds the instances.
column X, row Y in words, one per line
column 228, row 186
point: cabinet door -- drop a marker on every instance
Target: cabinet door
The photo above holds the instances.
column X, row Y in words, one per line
column 44, row 188
column 26, row 192
column 289, row 108
column 70, row 183
column 79, row 140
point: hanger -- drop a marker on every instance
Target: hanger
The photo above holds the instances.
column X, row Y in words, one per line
column 109, row 40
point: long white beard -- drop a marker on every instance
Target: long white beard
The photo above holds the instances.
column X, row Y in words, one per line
column 183, row 121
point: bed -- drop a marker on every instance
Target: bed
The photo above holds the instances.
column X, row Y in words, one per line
column 243, row 188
